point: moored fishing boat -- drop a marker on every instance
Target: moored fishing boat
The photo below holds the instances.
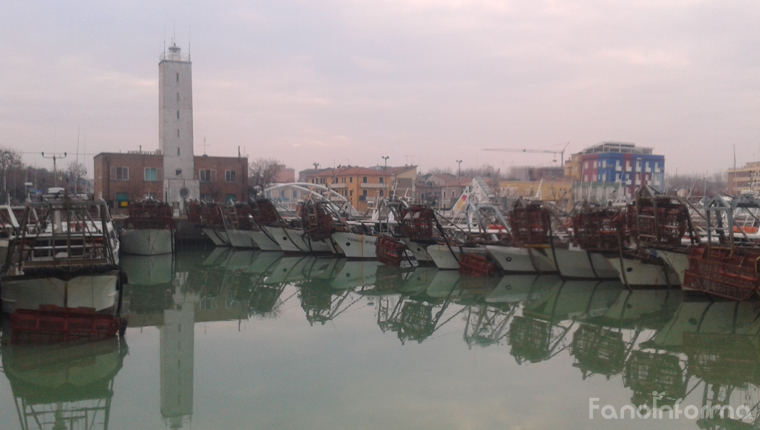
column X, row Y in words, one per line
column 569, row 243
column 149, row 229
column 239, row 225
column 64, row 254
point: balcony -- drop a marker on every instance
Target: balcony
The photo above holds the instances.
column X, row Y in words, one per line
column 336, row 186
column 373, row 186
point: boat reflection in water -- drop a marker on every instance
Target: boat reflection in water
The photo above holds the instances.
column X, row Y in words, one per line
column 63, row 386
column 686, row 349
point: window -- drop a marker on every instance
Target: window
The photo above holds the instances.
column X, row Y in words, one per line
column 177, row 96
column 178, row 148
column 177, row 114
column 381, row 179
column 177, row 77
column 230, row 176
column 206, row 198
column 151, row 174
column 295, row 194
column 351, row 193
column 364, row 193
column 364, row 180
column 381, row 193
column 230, row 198
column 120, row 173
column 351, row 180
column 207, row 175
column 178, row 172
column 177, row 136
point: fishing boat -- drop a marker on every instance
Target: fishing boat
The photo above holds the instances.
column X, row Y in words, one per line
column 64, row 254
column 239, row 226
column 209, row 217
column 149, row 229
column 352, row 237
column 654, row 223
column 285, row 231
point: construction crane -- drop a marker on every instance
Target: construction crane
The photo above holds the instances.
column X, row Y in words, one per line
column 542, row 151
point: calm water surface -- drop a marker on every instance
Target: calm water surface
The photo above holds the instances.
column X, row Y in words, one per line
column 248, row 340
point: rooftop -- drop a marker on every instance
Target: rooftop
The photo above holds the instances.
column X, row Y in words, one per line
column 616, row 147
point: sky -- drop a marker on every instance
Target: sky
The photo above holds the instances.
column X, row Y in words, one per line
column 423, row 82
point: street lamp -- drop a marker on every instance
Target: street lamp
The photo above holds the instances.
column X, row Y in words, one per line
column 316, row 165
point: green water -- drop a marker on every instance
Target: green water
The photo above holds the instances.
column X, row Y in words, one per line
column 247, row 340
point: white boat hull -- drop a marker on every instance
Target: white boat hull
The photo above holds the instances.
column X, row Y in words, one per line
column 241, row 239
column 678, row 261
column 356, row 245
column 521, row 260
column 581, row 264
column 418, row 250
column 98, row 291
column 212, row 234
column 264, row 242
column 295, row 240
column 146, row 242
column 642, row 274
column 444, row 259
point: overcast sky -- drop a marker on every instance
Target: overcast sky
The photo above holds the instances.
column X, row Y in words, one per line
column 421, row 81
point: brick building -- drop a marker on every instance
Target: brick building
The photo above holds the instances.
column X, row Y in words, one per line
column 122, row 177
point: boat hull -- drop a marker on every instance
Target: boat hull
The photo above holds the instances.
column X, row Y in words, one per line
column 295, row 240
column 678, row 261
column 639, row 274
column 355, row 245
column 418, row 250
column 444, row 259
column 264, row 242
column 521, row 260
column 581, row 264
column 98, row 291
column 241, row 239
column 212, row 234
column 147, row 242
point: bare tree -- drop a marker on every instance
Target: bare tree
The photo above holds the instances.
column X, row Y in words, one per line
column 75, row 172
column 696, row 185
column 261, row 172
column 10, row 160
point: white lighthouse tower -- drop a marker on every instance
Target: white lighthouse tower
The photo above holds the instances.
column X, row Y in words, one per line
column 175, row 135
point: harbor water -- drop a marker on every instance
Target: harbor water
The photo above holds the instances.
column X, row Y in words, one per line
column 223, row 339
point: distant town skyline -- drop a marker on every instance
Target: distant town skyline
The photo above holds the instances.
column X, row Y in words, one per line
column 418, row 81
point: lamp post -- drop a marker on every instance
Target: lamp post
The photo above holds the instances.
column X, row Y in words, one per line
column 316, row 165
column 459, row 173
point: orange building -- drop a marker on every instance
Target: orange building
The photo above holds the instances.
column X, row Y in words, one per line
column 359, row 185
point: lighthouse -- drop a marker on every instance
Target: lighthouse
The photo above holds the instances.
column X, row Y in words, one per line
column 175, row 107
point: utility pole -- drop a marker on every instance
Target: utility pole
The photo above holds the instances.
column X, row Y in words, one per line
column 55, row 156
column 385, row 173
